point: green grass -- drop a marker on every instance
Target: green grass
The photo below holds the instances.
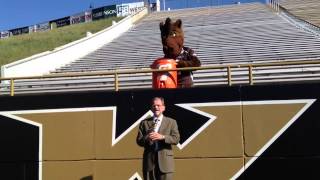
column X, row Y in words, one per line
column 22, row 46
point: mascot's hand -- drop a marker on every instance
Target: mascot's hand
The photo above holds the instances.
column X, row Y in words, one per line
column 177, row 61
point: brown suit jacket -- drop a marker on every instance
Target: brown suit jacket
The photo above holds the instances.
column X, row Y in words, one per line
column 169, row 129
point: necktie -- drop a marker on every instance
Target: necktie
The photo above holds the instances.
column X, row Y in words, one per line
column 155, row 124
column 156, row 145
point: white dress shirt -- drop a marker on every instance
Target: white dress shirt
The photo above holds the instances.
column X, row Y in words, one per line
column 157, row 121
column 158, row 124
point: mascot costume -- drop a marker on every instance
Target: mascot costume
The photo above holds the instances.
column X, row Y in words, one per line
column 172, row 37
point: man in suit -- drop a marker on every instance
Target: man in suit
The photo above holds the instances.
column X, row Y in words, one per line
column 156, row 135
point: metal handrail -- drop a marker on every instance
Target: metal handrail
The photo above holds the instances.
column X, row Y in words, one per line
column 274, row 4
column 116, row 73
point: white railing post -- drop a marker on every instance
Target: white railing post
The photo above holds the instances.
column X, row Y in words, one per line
column 274, row 4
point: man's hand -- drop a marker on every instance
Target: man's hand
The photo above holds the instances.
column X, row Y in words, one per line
column 154, row 136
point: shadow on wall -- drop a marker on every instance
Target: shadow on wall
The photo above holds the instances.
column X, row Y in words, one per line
column 87, row 178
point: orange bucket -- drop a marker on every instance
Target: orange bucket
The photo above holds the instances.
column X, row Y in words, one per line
column 162, row 80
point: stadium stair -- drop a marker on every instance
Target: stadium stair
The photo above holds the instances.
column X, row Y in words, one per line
column 232, row 34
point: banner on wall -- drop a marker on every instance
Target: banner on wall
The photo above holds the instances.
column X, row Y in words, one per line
column 129, row 9
column 97, row 13
column 110, row 11
column 15, row 32
column 104, row 12
column 135, row 7
column 4, row 34
column 25, row 30
column 88, row 16
column 61, row 22
column 78, row 18
column 19, row 31
column 122, row 10
column 32, row 28
column 43, row 26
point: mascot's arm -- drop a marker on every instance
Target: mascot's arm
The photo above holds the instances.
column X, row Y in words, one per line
column 191, row 61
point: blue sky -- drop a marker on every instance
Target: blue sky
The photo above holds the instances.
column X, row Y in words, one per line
column 21, row 13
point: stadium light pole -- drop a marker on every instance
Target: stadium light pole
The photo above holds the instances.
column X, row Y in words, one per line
column 91, row 6
column 164, row 5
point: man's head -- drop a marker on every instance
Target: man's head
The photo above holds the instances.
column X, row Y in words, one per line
column 157, row 106
column 172, row 38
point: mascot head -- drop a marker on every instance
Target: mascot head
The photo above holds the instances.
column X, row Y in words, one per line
column 172, row 38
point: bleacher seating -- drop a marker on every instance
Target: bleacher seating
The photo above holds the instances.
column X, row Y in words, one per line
column 233, row 34
column 308, row 10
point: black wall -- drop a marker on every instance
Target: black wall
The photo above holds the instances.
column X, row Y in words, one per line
column 294, row 155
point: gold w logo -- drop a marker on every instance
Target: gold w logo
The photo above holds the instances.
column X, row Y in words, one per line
column 76, row 143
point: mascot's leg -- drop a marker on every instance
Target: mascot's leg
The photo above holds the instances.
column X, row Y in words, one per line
column 185, row 81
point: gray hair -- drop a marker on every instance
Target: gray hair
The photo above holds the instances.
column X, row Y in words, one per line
column 155, row 98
